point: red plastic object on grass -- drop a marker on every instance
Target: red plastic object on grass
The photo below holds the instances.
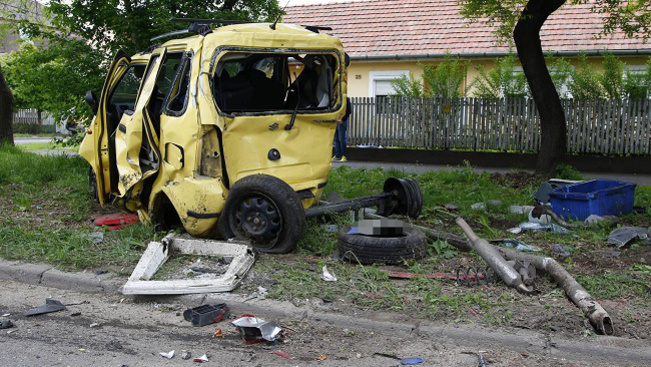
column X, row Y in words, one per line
column 116, row 220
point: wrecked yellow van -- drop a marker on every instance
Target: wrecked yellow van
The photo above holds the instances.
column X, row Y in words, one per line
column 228, row 131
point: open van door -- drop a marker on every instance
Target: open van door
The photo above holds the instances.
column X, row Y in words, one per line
column 95, row 147
column 136, row 139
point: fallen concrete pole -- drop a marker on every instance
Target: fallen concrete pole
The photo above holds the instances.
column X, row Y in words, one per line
column 496, row 261
column 591, row 308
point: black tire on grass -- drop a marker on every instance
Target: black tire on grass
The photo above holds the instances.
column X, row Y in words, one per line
column 277, row 207
column 385, row 250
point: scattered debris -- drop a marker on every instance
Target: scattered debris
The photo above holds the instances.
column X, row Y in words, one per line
column 168, row 355
column 539, row 227
column 624, row 235
column 478, row 206
column 95, row 237
column 157, row 253
column 542, row 194
column 482, row 361
column 516, row 245
column 11, row 331
column 202, row 359
column 185, row 355
column 321, row 358
column 594, row 219
column 403, row 361
column 94, row 325
column 206, row 314
column 281, row 353
column 450, row 207
column 116, row 220
column 6, row 315
column 6, row 324
column 328, row 276
column 219, row 333
column 561, row 251
column 255, row 330
column 51, row 305
column 330, row 228
column 75, row 314
column 520, row 209
column 100, row 272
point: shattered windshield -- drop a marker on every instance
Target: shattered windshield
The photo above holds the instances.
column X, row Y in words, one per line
column 255, row 82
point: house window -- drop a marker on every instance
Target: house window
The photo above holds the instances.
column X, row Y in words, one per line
column 380, row 88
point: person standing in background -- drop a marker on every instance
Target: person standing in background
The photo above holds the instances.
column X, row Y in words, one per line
column 341, row 134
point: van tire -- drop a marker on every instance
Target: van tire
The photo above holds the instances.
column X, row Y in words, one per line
column 264, row 210
column 384, row 250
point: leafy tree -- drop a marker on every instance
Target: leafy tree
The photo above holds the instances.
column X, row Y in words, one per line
column 407, row 86
column 612, row 79
column 445, row 79
column 586, row 80
column 561, row 72
column 501, row 81
column 130, row 24
column 522, row 20
column 638, row 85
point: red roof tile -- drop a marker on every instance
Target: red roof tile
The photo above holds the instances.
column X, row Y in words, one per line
column 435, row 27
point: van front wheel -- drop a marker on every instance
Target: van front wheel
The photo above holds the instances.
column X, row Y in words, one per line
column 264, row 210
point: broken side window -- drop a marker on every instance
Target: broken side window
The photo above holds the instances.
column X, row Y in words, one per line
column 268, row 82
column 178, row 98
column 125, row 93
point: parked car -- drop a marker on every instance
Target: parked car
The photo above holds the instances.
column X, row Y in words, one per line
column 228, row 131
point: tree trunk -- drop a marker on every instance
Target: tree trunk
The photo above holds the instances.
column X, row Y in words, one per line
column 6, row 112
column 553, row 143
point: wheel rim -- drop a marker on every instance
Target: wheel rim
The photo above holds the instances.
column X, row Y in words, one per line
column 258, row 219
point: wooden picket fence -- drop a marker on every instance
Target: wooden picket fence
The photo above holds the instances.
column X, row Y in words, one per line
column 611, row 127
column 30, row 116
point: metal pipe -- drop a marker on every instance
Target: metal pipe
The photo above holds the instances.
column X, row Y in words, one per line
column 598, row 317
column 493, row 257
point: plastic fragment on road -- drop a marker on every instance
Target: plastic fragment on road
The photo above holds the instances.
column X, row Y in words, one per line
column 255, row 330
column 516, row 245
column 168, row 355
column 6, row 324
column 219, row 333
column 327, row 276
column 321, row 358
column 157, row 253
column 281, row 353
column 116, row 220
column 206, row 314
column 51, row 305
column 624, row 235
column 411, row 361
column 6, row 315
column 202, row 359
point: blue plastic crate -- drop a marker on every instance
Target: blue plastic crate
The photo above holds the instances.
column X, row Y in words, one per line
column 600, row 197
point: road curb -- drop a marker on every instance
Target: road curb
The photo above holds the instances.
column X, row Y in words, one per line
column 602, row 349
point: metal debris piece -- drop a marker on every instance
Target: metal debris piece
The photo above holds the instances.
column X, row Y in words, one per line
column 6, row 324
column 256, row 330
column 93, row 325
column 542, row 194
column 517, row 245
column 561, row 251
column 539, row 227
column 328, row 276
column 624, row 235
column 6, row 315
column 168, row 355
column 51, row 305
column 185, row 355
column 482, row 361
column 206, row 314
column 202, row 359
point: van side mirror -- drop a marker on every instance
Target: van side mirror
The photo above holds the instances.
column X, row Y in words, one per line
column 91, row 99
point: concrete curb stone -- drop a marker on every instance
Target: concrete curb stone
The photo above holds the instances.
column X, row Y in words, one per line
column 603, row 348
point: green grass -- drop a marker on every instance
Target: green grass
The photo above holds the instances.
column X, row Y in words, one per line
column 46, row 147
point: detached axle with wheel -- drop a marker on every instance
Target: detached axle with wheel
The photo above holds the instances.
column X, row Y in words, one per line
column 400, row 196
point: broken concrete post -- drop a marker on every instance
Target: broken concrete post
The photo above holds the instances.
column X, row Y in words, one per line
column 578, row 295
column 490, row 254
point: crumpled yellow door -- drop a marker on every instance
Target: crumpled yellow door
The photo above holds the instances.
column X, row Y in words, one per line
column 137, row 161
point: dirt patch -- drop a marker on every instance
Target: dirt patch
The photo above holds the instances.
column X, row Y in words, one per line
column 515, row 180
